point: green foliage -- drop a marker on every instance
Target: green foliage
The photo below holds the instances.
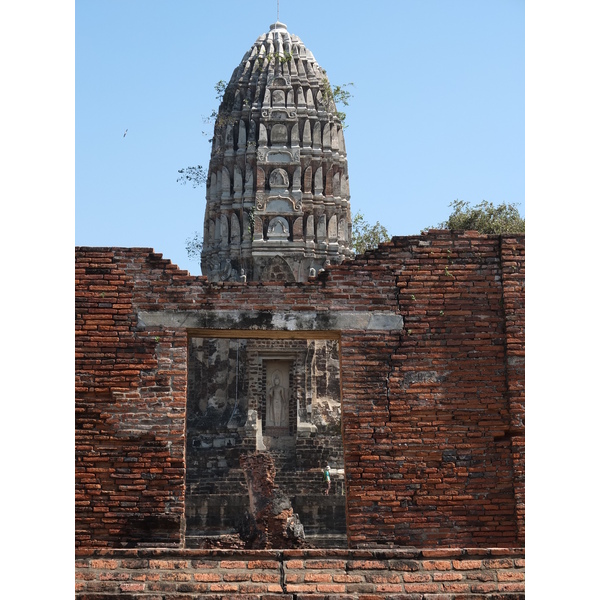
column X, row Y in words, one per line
column 193, row 247
column 251, row 220
column 484, row 217
column 342, row 95
column 366, row 236
column 194, row 175
column 225, row 95
column 220, row 88
column 338, row 95
column 286, row 57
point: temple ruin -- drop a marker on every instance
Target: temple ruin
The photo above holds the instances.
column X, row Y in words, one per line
column 207, row 407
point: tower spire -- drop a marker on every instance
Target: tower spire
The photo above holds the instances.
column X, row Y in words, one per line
column 277, row 10
column 278, row 201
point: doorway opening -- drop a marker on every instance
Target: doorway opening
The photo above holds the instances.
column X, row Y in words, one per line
column 274, row 392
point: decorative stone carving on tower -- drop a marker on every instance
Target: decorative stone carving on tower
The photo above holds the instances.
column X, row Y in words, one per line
column 277, row 195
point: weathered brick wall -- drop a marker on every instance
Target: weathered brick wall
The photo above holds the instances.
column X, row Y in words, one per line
column 436, row 456
column 433, row 414
column 130, row 411
column 513, row 288
column 405, row 574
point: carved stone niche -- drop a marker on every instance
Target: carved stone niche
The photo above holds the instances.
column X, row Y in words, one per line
column 278, row 98
column 279, row 229
column 280, row 81
column 281, row 205
column 279, row 180
column 279, row 135
column 272, row 268
column 277, row 397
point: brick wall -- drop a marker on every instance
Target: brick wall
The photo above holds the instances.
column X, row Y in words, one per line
column 433, row 413
column 130, row 390
column 437, row 454
column 404, row 574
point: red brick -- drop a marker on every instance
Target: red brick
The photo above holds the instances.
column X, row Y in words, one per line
column 132, row 587
column 112, row 576
column 265, row 577
column 325, row 564
column 327, row 577
column 463, row 565
column 233, row 564
column 104, row 564
column 484, row 588
column 223, row 587
column 294, row 564
column 207, row 577
column 511, row 576
column 301, row 587
column 331, row 588
column 511, row 587
column 176, row 577
column 383, row 578
column 263, row 564
column 347, row 578
column 255, row 588
column 416, row 577
column 421, row 588
column 236, row 576
column 500, row 563
column 365, row 564
column 390, row 587
column 437, row 565
column 447, row 577
column 455, row 588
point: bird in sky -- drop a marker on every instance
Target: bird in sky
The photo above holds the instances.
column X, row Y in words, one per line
column 125, row 132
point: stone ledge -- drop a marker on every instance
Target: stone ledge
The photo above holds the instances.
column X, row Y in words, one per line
column 264, row 320
column 351, row 553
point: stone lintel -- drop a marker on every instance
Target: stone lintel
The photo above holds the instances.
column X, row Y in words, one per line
column 273, row 320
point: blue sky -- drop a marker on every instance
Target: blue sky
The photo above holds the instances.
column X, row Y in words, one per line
column 438, row 107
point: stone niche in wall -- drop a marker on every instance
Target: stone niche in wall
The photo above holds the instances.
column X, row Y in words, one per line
column 281, row 396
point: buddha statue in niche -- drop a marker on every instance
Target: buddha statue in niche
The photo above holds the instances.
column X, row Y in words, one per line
column 277, row 403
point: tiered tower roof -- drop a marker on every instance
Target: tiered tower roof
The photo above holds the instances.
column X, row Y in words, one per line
column 277, row 194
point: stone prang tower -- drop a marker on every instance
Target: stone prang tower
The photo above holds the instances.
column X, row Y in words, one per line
column 277, row 195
